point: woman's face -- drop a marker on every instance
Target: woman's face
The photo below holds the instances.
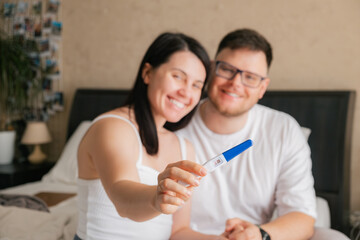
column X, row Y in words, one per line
column 174, row 88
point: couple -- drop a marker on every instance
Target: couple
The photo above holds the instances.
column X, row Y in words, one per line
column 131, row 162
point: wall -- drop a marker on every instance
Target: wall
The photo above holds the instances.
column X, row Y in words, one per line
column 316, row 44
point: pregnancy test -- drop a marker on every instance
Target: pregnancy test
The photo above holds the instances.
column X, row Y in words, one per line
column 223, row 158
column 226, row 156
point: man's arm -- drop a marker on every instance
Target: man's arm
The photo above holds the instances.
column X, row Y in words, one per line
column 294, row 225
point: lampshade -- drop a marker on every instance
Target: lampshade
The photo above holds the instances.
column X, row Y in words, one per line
column 36, row 133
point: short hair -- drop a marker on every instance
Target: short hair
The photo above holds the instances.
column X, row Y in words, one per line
column 159, row 52
column 247, row 38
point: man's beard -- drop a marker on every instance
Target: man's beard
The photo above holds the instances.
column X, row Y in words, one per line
column 225, row 111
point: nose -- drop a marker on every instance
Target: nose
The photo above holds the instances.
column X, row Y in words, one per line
column 236, row 81
column 185, row 91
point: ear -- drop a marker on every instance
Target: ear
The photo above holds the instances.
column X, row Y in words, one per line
column 263, row 87
column 146, row 71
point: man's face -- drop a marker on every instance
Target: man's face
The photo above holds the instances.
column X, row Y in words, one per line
column 231, row 97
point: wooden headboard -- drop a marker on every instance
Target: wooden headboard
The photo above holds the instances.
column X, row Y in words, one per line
column 328, row 114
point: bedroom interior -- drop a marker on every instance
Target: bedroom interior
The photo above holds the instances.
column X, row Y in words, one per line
column 316, row 66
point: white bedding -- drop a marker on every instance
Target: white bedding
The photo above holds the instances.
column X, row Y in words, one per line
column 21, row 223
column 60, row 223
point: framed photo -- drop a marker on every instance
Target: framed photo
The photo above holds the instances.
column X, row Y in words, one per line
column 22, row 8
column 37, row 8
column 9, row 9
column 53, row 6
column 56, row 28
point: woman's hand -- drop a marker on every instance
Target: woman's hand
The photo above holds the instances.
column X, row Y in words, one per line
column 170, row 194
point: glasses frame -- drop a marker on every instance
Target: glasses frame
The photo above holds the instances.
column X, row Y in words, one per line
column 237, row 70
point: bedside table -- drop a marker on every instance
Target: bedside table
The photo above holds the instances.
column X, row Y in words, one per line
column 19, row 173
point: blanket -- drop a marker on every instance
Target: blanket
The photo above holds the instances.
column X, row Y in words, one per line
column 24, row 201
column 28, row 224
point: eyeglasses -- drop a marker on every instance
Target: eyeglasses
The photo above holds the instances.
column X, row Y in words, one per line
column 228, row 72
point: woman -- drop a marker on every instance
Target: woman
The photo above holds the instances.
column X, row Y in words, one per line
column 124, row 191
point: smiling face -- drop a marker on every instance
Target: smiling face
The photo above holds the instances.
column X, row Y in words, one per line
column 231, row 97
column 174, row 88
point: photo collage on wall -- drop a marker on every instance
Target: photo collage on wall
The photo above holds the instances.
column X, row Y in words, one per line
column 38, row 20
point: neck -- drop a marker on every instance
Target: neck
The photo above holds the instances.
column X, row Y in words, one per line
column 159, row 123
column 220, row 123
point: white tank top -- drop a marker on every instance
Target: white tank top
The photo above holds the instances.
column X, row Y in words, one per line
column 103, row 221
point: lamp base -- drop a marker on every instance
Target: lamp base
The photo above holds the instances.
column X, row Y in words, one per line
column 37, row 156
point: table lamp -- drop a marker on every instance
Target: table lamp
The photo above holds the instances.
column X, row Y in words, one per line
column 36, row 133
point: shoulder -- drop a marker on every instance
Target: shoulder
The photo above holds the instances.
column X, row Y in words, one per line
column 264, row 110
column 111, row 128
column 120, row 117
column 275, row 123
column 110, row 148
column 270, row 115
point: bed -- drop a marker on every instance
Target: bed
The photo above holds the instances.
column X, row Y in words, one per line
column 327, row 114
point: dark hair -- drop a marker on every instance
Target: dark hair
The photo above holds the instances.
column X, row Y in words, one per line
column 159, row 53
column 247, row 38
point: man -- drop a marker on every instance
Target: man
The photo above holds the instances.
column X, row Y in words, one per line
column 274, row 173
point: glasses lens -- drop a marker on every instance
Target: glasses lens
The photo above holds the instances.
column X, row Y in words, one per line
column 250, row 79
column 224, row 70
column 228, row 72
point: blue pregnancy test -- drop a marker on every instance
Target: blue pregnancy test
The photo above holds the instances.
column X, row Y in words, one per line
column 223, row 158
column 226, row 156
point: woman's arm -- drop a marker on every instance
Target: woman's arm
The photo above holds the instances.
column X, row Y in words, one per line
column 112, row 147
column 141, row 202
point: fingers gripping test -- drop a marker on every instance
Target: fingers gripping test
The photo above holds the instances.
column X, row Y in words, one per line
column 224, row 157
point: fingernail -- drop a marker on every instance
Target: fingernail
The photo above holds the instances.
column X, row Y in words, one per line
column 188, row 193
column 197, row 182
column 203, row 171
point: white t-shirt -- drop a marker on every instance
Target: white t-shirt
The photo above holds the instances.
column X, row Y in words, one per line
column 274, row 172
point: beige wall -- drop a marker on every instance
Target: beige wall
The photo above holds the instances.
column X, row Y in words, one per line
column 316, row 44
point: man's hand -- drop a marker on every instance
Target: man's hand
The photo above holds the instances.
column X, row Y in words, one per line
column 237, row 229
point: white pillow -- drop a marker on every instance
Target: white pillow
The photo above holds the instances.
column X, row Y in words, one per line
column 323, row 218
column 65, row 170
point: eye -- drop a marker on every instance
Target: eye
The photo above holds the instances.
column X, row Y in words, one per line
column 178, row 75
column 198, row 85
column 250, row 76
column 227, row 69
